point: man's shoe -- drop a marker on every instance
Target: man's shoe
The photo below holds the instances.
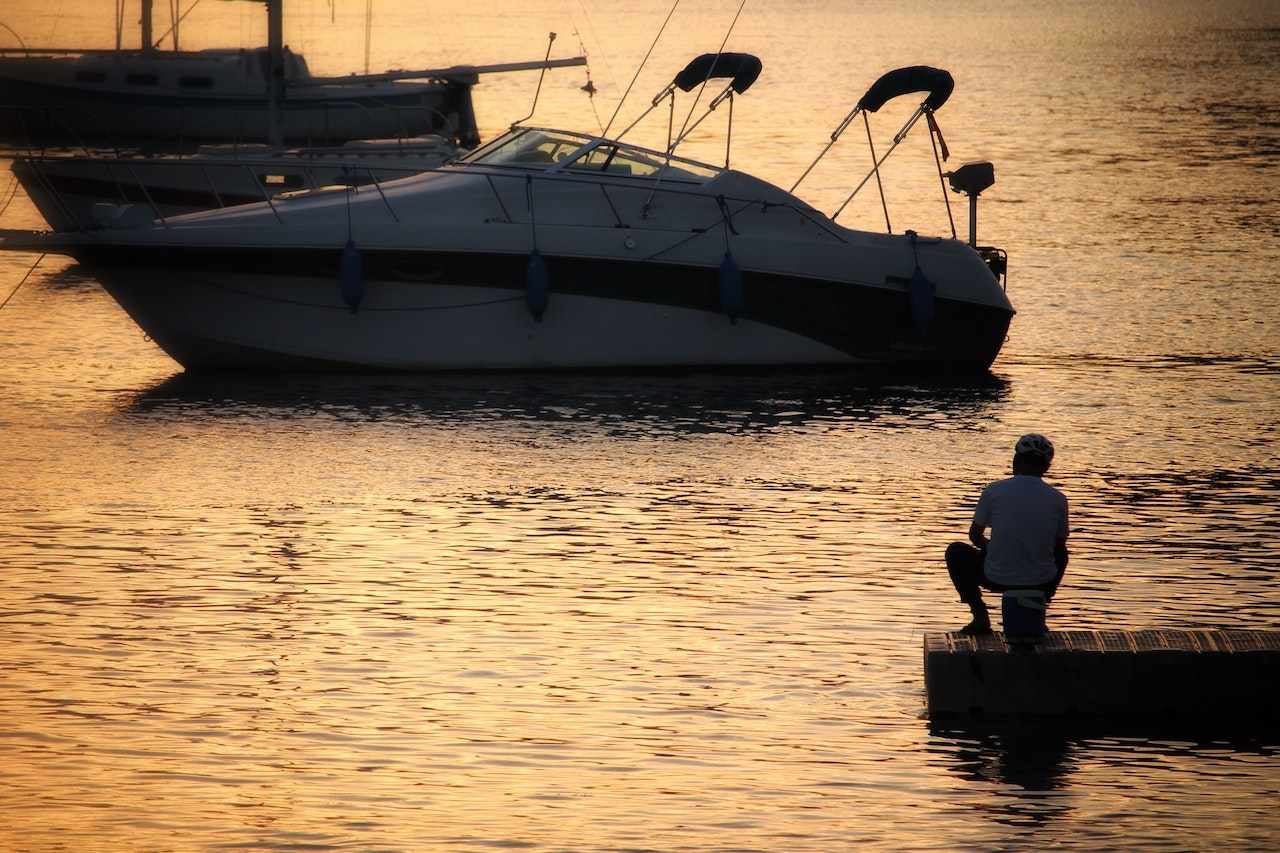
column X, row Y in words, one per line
column 976, row 629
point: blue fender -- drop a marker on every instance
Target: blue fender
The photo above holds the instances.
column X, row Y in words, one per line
column 731, row 292
column 921, row 292
column 351, row 276
column 537, row 285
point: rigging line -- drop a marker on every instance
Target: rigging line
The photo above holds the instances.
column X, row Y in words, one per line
column 589, row 88
column 640, row 68
column 723, row 42
column 10, row 194
column 670, row 144
column 22, row 45
column 176, row 16
column 368, row 32
column 346, row 170
column 24, row 281
column 533, row 220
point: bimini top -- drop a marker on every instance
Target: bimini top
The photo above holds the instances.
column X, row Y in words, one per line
column 544, row 150
column 904, row 81
column 742, row 67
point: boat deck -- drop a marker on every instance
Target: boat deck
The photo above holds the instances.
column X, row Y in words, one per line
column 1167, row 673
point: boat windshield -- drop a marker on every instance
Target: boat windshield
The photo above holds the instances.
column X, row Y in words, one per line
column 564, row 151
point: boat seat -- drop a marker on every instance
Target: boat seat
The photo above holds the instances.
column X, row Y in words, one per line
column 533, row 155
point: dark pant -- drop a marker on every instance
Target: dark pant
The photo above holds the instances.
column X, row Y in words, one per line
column 964, row 564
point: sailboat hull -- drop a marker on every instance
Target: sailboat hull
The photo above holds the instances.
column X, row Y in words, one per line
column 67, row 189
column 177, row 101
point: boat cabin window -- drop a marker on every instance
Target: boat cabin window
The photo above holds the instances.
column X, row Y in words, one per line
column 91, row 77
column 189, row 82
column 276, row 182
column 547, row 150
column 141, row 79
column 529, row 148
column 639, row 163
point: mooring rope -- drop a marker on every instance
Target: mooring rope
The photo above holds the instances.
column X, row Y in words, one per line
column 24, row 281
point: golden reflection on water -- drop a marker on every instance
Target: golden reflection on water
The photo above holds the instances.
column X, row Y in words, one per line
column 538, row 653
column 522, row 683
column 292, row 612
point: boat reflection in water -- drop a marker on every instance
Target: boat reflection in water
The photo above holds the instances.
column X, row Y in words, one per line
column 638, row 403
column 550, row 249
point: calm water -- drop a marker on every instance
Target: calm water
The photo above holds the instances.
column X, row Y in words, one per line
column 668, row 612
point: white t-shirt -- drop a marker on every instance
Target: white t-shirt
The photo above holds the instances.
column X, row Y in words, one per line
column 1026, row 516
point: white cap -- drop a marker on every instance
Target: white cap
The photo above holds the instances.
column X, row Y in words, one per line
column 1034, row 442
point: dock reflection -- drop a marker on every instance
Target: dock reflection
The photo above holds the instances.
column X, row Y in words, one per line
column 1029, row 763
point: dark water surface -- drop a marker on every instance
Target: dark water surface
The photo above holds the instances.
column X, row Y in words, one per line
column 670, row 612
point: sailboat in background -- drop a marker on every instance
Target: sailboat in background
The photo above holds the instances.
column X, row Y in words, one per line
column 176, row 100
column 75, row 191
column 217, row 128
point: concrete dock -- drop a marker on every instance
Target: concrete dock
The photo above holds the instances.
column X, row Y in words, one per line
column 1166, row 673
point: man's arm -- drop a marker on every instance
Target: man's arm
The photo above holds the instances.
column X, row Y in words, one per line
column 978, row 535
column 1060, row 557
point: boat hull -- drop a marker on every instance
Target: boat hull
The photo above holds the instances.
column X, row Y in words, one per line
column 273, row 310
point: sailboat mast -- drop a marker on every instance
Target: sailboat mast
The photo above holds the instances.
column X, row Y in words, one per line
column 147, row 46
column 275, row 81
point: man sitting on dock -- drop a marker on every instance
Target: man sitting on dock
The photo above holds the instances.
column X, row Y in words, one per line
column 1028, row 544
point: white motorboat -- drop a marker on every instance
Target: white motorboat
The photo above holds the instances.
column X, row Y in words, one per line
column 550, row 249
